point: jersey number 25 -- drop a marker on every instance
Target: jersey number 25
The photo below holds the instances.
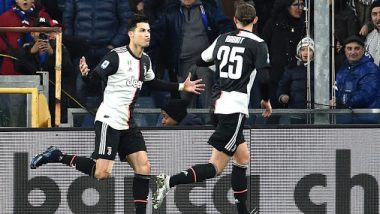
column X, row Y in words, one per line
column 231, row 57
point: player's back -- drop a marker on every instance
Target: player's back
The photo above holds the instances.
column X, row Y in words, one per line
column 235, row 56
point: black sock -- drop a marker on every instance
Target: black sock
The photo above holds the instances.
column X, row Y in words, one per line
column 69, row 160
column 239, row 186
column 82, row 164
column 141, row 192
column 197, row 173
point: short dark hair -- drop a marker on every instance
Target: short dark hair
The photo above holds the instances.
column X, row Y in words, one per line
column 354, row 38
column 137, row 18
column 245, row 13
column 373, row 5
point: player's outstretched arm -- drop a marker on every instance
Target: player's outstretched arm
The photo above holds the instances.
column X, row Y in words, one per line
column 195, row 86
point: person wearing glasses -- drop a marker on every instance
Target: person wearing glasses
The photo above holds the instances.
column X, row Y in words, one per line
column 282, row 32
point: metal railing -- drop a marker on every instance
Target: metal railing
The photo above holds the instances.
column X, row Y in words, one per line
column 320, row 116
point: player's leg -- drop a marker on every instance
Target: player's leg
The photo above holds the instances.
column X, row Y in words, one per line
column 133, row 147
column 227, row 133
column 106, row 137
column 238, row 177
column 196, row 173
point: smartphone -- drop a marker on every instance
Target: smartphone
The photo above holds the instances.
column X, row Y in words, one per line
column 43, row 36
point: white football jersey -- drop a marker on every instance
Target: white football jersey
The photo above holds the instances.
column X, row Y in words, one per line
column 123, row 75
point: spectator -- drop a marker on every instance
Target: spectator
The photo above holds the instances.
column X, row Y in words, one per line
column 292, row 89
column 92, row 28
column 175, row 113
column 39, row 55
column 180, row 25
column 358, row 82
column 346, row 24
column 282, row 32
column 373, row 38
column 22, row 14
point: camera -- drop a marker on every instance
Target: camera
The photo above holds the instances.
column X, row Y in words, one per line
column 43, row 36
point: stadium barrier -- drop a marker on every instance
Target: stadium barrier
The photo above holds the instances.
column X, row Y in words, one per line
column 36, row 89
column 319, row 169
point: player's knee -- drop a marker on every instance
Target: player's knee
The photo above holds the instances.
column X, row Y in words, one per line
column 102, row 175
column 218, row 169
column 243, row 158
column 147, row 168
column 144, row 168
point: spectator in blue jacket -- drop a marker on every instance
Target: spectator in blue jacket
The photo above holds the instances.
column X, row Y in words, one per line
column 6, row 5
column 358, row 82
column 97, row 26
column 183, row 31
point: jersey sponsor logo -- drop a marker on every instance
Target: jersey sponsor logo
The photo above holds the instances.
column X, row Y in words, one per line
column 234, row 39
column 109, row 150
column 105, row 64
column 134, row 83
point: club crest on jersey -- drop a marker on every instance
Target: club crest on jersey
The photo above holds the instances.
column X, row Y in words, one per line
column 105, row 64
column 145, row 69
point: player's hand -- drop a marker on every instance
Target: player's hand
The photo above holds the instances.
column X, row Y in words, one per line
column 193, row 86
column 267, row 108
column 83, row 67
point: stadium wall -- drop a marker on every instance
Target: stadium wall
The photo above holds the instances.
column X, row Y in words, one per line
column 292, row 170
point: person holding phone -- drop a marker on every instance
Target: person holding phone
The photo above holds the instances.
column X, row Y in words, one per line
column 39, row 55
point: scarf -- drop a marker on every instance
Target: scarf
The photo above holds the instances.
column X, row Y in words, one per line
column 24, row 16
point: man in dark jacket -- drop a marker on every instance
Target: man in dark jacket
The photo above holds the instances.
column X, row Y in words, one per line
column 175, row 113
column 358, row 81
column 183, row 31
